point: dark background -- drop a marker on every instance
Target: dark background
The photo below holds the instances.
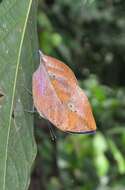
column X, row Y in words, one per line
column 89, row 36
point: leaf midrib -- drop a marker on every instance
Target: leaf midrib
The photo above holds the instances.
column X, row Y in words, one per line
column 13, row 94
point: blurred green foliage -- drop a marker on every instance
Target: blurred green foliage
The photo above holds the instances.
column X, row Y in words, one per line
column 89, row 36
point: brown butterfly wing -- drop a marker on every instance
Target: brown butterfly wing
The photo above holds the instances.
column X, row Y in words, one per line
column 58, row 97
column 45, row 99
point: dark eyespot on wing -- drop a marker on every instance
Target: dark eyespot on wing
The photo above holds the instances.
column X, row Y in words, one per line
column 52, row 76
column 71, row 106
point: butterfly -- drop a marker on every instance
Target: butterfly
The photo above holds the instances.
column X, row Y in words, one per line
column 59, row 99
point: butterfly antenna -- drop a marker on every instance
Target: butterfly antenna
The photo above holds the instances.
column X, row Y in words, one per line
column 53, row 136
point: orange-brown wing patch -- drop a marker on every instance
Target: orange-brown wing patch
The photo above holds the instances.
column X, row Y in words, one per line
column 62, row 91
column 60, row 69
column 59, row 99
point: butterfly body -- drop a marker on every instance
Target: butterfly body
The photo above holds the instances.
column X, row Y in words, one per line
column 58, row 98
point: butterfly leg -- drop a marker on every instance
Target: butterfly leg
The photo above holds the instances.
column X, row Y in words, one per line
column 53, row 136
column 27, row 90
column 31, row 111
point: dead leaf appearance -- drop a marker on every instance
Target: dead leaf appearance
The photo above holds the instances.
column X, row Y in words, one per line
column 59, row 99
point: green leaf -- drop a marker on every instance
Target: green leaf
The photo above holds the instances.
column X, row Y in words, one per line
column 118, row 156
column 101, row 164
column 100, row 160
column 18, row 55
column 99, row 143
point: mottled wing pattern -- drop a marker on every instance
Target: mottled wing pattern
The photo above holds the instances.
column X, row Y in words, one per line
column 59, row 99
